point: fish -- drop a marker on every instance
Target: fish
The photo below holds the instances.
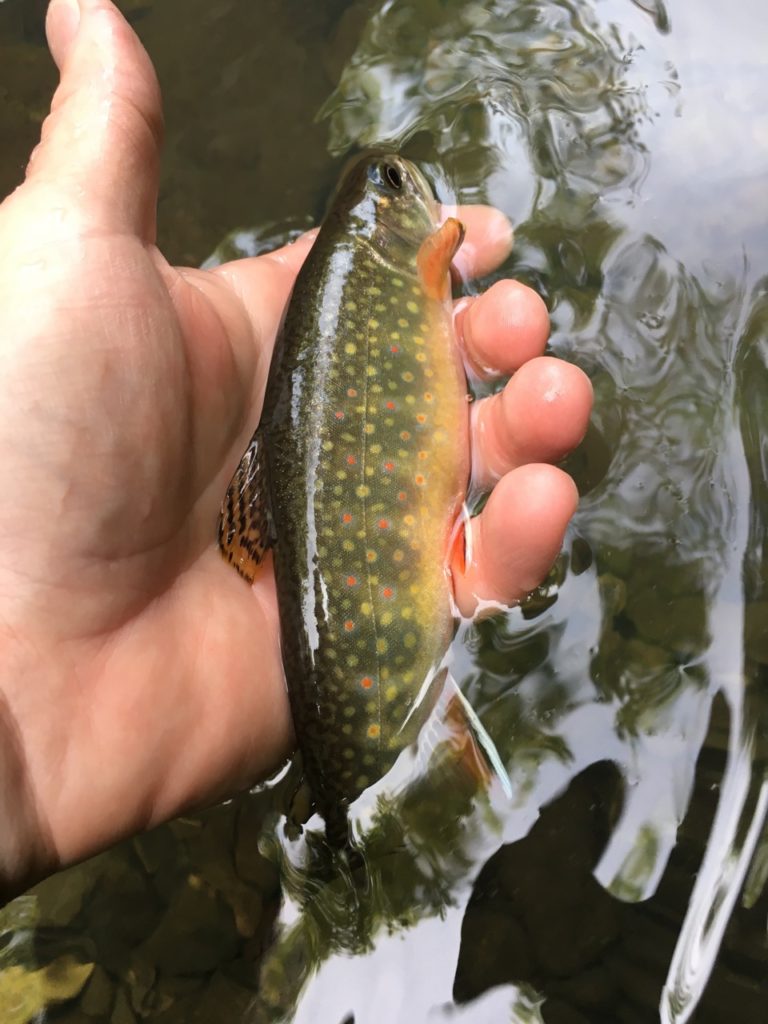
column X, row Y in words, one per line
column 356, row 478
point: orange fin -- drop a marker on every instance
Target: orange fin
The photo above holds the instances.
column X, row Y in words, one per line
column 475, row 750
column 434, row 258
column 243, row 522
column 465, row 747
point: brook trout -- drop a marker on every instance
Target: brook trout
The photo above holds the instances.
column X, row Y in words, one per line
column 356, row 475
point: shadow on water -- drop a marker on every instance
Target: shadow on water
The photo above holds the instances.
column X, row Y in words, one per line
column 625, row 882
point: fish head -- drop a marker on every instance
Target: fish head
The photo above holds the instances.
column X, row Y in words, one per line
column 386, row 200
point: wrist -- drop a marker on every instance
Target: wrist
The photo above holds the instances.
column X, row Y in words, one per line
column 27, row 853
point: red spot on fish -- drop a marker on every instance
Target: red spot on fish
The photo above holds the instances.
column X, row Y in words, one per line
column 352, row 392
column 405, row 435
column 402, row 496
column 423, row 455
column 351, row 581
column 390, row 405
column 388, row 592
column 366, row 683
column 351, row 460
column 394, row 348
column 427, row 396
column 339, row 415
column 349, row 625
column 389, row 466
column 421, row 418
column 419, row 479
column 383, row 524
column 346, row 518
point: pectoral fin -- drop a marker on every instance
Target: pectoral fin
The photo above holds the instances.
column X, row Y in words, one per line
column 434, row 258
column 244, row 534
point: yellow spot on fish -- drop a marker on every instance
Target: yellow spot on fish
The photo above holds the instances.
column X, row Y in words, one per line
column 386, row 618
column 362, row 491
column 370, row 555
column 402, row 322
column 375, row 449
column 395, row 336
column 418, row 340
column 371, row 370
column 373, row 290
column 411, row 306
column 398, row 555
column 350, row 348
column 406, row 612
column 327, row 446
column 348, row 545
column 409, row 640
column 361, row 782
column 369, row 428
column 397, row 282
column 416, row 290
column 373, row 323
column 366, row 608
column 374, row 732
column 409, row 520
column 351, row 306
column 391, row 692
column 381, row 645
column 407, row 376
column 421, row 357
column 348, row 752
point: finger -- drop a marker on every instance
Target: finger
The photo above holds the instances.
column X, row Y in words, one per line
column 100, row 142
column 516, row 537
column 502, row 329
column 487, row 242
column 263, row 284
column 540, row 416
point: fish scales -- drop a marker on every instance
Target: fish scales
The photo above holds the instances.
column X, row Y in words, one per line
column 364, row 431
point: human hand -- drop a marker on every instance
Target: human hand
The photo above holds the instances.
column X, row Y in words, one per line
column 139, row 675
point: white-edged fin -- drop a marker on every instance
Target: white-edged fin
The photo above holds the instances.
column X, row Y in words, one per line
column 485, row 742
column 454, row 723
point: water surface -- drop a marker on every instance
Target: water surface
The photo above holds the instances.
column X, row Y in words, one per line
column 628, row 143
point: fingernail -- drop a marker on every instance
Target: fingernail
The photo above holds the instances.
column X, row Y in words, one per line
column 62, row 23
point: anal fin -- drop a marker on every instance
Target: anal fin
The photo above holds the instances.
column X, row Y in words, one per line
column 478, row 751
column 243, row 523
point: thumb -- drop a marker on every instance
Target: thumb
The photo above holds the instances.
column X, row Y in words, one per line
column 99, row 148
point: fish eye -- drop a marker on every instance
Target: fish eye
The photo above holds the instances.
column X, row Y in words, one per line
column 392, row 176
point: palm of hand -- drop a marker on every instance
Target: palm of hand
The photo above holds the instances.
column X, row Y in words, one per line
column 138, row 673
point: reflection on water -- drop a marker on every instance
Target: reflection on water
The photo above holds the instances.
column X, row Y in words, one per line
column 627, row 697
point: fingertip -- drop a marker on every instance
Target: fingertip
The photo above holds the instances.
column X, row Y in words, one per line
column 488, row 240
column 517, row 536
column 503, row 328
column 61, row 24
